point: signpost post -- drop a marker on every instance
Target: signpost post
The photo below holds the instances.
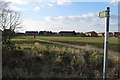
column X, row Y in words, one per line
column 106, row 15
column 106, row 43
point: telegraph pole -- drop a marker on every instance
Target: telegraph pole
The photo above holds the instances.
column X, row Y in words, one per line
column 106, row 43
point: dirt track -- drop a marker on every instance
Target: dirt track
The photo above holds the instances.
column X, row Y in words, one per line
column 86, row 47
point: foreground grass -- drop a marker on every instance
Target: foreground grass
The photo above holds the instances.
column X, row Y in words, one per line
column 33, row 59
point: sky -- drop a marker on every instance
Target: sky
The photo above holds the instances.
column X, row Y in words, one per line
column 61, row 15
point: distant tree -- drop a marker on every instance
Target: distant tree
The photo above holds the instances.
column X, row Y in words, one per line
column 9, row 20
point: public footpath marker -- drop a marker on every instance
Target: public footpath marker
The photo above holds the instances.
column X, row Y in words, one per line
column 105, row 14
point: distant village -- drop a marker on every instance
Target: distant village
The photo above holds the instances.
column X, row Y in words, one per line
column 68, row 33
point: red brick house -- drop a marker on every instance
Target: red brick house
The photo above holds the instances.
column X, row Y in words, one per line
column 111, row 34
column 101, row 34
column 67, row 33
column 116, row 34
column 91, row 34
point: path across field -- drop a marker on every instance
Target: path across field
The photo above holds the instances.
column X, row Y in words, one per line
column 85, row 47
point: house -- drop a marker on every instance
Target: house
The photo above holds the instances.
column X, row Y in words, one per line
column 80, row 34
column 67, row 33
column 101, row 34
column 31, row 33
column 42, row 32
column 111, row 34
column 45, row 33
column 91, row 34
column 49, row 33
column 116, row 34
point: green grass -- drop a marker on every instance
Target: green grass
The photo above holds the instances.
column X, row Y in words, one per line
column 94, row 41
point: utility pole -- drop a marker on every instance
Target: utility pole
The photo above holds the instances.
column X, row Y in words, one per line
column 106, row 43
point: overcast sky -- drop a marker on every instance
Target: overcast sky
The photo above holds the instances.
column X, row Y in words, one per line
column 65, row 15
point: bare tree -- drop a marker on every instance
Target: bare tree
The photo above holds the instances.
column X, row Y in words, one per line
column 8, row 19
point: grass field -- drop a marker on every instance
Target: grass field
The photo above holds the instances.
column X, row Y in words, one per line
column 94, row 41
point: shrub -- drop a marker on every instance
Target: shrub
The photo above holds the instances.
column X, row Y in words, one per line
column 53, row 61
